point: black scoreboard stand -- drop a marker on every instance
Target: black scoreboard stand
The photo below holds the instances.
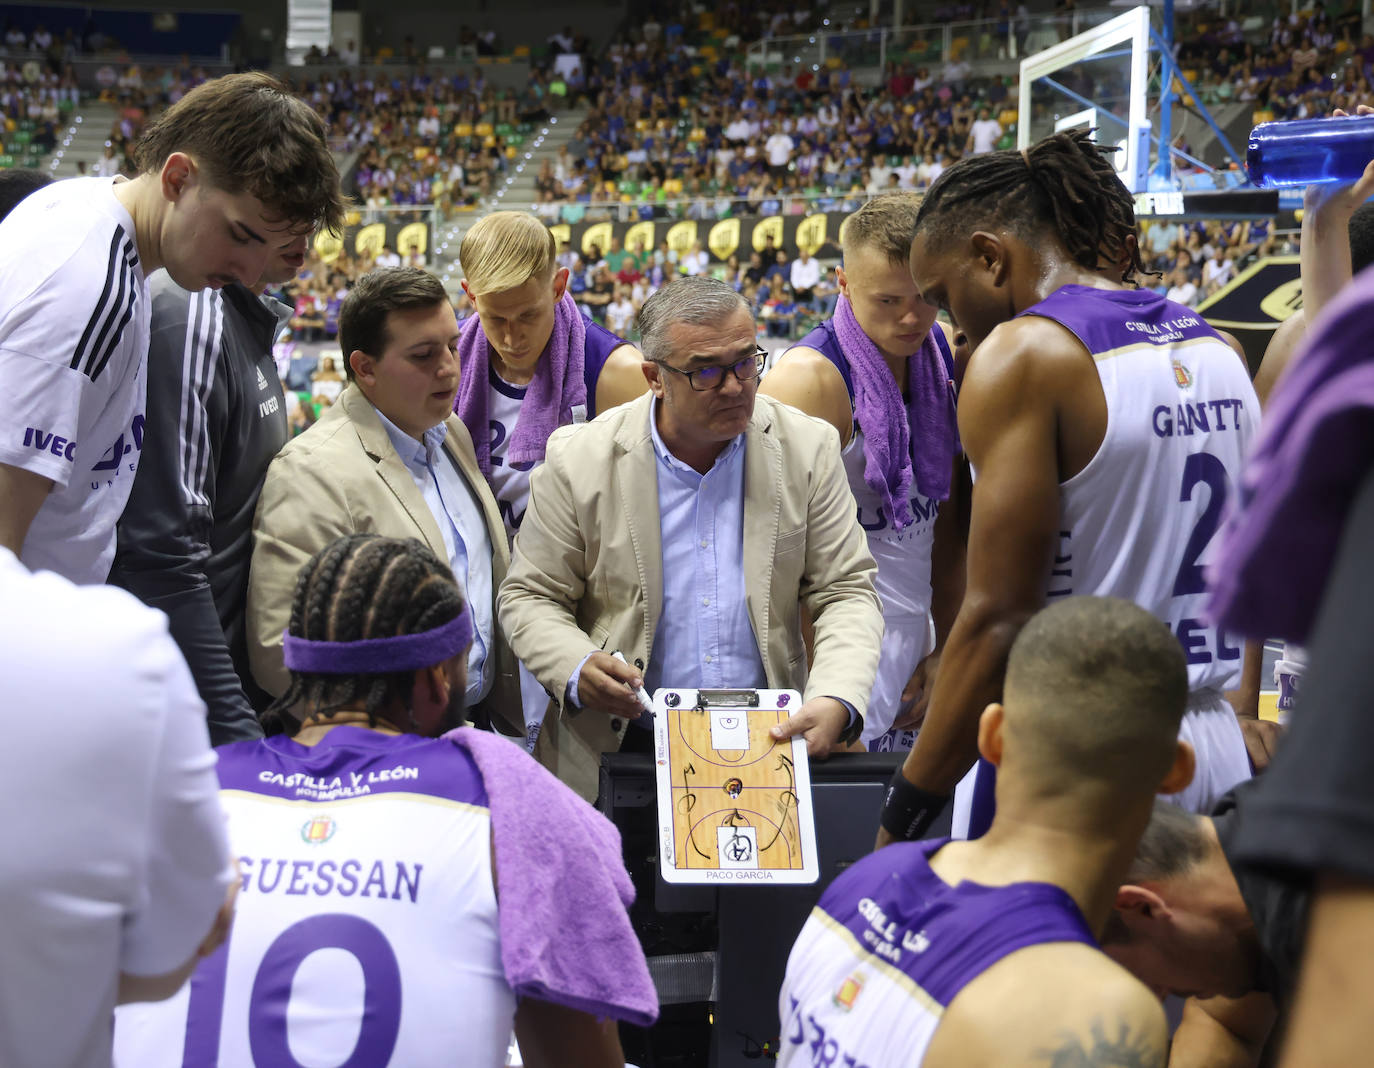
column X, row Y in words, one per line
column 717, row 954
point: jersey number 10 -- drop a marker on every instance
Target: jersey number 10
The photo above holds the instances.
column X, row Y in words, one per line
column 271, row 995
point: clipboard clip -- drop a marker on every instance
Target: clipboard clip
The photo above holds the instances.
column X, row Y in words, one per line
column 726, row 699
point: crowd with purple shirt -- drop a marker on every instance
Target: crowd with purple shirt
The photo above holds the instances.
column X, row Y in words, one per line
column 1193, row 259
column 33, row 107
column 676, row 135
column 1307, row 64
column 425, row 137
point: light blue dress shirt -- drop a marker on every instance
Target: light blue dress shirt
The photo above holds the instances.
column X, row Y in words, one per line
column 704, row 638
column 466, row 538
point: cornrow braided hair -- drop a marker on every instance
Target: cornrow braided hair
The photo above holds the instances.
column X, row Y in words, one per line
column 1065, row 183
column 363, row 586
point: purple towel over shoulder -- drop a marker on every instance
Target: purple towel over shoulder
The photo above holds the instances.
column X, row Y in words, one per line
column 1315, row 446
column 900, row 442
column 565, row 932
column 557, row 386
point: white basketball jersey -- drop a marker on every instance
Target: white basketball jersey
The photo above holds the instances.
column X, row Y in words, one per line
column 890, row 945
column 903, row 556
column 366, row 930
column 1139, row 522
column 510, row 483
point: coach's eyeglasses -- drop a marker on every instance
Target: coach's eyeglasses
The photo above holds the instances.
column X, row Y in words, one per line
column 708, row 378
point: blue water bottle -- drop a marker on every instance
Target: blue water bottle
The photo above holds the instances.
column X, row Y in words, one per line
column 1310, row 150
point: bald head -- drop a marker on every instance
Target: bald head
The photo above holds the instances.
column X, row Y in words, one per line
column 1095, row 690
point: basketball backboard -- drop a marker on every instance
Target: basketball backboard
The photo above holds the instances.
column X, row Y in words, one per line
column 1097, row 79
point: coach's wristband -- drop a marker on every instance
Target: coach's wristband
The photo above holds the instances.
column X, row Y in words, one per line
column 908, row 811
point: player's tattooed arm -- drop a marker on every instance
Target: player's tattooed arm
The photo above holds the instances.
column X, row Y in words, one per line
column 1129, row 1047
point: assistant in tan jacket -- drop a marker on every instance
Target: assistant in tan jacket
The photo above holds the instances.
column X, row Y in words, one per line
column 587, row 569
column 345, row 476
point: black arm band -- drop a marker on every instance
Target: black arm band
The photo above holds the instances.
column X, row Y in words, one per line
column 908, row 811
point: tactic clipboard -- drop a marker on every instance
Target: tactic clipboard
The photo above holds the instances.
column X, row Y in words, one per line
column 734, row 806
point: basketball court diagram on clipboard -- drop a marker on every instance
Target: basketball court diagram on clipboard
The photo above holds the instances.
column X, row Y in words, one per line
column 734, row 806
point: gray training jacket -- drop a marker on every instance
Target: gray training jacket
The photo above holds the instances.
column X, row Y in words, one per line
column 216, row 418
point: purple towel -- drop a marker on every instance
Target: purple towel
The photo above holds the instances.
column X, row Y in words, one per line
column 557, row 386
column 565, row 932
column 928, row 423
column 1315, row 446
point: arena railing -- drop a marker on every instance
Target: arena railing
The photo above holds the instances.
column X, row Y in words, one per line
column 504, row 72
column 701, row 209
column 1008, row 38
column 723, row 206
column 101, row 71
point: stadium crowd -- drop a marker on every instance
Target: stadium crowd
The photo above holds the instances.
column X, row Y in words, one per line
column 669, row 134
column 407, row 591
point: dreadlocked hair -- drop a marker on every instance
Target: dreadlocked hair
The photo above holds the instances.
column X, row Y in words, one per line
column 363, row 586
column 1065, row 184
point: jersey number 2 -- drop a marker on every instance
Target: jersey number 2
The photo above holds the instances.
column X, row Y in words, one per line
column 271, row 996
column 1200, row 467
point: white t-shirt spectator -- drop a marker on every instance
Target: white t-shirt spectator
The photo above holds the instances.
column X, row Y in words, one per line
column 1183, row 293
column 1217, row 273
column 73, row 364
column 805, row 274
column 105, row 167
column 956, row 71
column 906, row 174
column 985, row 133
column 738, row 130
column 695, row 262
column 388, row 258
column 620, row 316
column 116, row 858
column 779, row 148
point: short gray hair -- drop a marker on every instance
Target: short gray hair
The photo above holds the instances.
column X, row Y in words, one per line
column 694, row 299
column 1172, row 845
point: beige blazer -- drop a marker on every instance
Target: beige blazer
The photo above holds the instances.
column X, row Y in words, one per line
column 587, row 569
column 343, row 476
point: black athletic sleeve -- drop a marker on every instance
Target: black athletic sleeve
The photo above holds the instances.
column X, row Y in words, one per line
column 1314, row 808
column 164, row 534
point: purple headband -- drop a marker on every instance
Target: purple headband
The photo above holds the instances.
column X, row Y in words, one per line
column 379, row 656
